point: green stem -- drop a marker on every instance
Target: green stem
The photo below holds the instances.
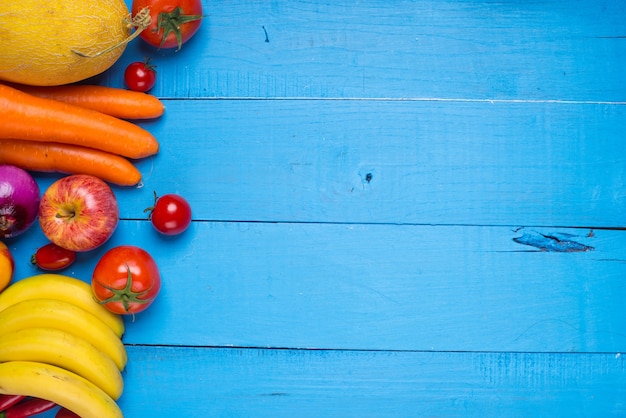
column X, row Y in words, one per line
column 171, row 22
column 125, row 296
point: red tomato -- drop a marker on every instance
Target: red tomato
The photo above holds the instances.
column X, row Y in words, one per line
column 171, row 214
column 140, row 76
column 52, row 257
column 173, row 22
column 126, row 280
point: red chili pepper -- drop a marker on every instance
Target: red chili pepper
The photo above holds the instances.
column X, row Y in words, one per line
column 66, row 413
column 7, row 401
column 28, row 408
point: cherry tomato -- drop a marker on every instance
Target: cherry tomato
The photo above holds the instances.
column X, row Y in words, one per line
column 140, row 76
column 173, row 22
column 171, row 214
column 52, row 257
column 126, row 280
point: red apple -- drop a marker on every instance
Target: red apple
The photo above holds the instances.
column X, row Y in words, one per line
column 78, row 212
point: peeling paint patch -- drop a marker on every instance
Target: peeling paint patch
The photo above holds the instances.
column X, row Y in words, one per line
column 560, row 243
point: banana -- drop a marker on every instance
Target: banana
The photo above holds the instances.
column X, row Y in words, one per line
column 57, row 314
column 58, row 385
column 66, row 288
column 59, row 348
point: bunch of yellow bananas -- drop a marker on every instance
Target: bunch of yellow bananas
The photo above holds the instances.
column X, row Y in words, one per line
column 57, row 343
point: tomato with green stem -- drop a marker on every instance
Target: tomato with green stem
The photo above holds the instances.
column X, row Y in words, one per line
column 126, row 280
column 171, row 214
column 173, row 22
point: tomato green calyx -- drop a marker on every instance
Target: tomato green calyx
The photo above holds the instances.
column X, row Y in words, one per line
column 126, row 295
column 149, row 65
column 171, row 22
column 150, row 209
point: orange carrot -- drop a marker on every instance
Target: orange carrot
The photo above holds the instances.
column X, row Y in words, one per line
column 121, row 103
column 27, row 117
column 69, row 159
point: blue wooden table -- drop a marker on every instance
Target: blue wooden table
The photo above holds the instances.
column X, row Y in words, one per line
column 405, row 208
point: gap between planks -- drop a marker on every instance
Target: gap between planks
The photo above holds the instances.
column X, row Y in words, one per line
column 401, row 99
column 367, row 350
column 435, row 225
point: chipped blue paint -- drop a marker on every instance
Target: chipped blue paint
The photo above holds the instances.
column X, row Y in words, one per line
column 560, row 243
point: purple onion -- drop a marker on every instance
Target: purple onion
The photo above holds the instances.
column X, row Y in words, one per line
column 19, row 201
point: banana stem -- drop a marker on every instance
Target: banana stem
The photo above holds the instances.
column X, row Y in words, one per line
column 140, row 22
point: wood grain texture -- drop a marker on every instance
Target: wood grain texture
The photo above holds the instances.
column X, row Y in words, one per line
column 511, row 50
column 390, row 162
column 382, row 287
column 281, row 383
column 408, row 208
column 196, row 382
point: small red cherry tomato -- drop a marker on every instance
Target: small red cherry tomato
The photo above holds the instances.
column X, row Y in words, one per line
column 171, row 214
column 140, row 76
column 126, row 280
column 51, row 257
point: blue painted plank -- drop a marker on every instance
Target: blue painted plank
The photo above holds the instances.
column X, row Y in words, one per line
column 381, row 287
column 251, row 383
column 389, row 162
column 538, row 50
column 218, row 382
column 414, row 228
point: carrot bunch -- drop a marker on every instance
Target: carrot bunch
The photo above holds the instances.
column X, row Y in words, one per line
column 77, row 129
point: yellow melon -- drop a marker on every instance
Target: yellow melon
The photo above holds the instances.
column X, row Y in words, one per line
column 53, row 42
